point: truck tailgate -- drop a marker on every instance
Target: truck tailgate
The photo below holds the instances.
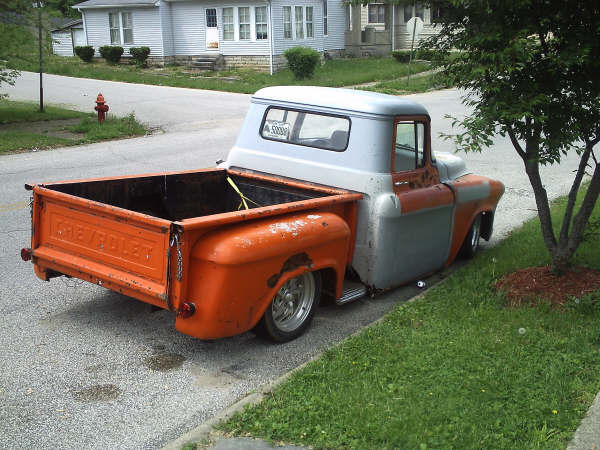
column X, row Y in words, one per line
column 119, row 249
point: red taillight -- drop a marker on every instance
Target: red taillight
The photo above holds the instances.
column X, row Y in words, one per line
column 186, row 310
column 26, row 254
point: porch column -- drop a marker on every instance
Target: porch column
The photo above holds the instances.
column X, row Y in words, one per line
column 356, row 25
column 388, row 16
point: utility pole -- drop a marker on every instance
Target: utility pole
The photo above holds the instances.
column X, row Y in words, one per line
column 39, row 7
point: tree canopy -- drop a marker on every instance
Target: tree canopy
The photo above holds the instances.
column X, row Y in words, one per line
column 530, row 69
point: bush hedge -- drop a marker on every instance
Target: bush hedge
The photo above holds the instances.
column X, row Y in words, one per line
column 140, row 55
column 302, row 61
column 403, row 56
column 85, row 52
column 111, row 53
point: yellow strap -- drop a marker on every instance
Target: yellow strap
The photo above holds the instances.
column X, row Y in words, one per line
column 236, row 189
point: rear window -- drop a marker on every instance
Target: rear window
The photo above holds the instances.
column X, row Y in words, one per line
column 324, row 131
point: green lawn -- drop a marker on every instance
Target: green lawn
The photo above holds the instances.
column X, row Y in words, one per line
column 20, row 140
column 24, row 127
column 336, row 73
column 402, row 85
column 15, row 112
column 454, row 369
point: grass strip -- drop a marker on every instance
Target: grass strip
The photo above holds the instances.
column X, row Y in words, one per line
column 112, row 128
column 20, row 140
column 455, row 369
column 14, row 136
column 14, row 112
column 401, row 85
column 334, row 73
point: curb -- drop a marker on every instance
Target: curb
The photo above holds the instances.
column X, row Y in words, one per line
column 586, row 436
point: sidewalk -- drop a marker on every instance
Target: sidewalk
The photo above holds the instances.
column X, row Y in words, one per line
column 587, row 436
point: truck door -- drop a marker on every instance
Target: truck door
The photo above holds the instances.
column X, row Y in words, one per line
column 422, row 233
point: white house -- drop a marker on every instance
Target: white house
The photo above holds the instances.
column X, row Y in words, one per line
column 241, row 32
column 66, row 36
column 249, row 32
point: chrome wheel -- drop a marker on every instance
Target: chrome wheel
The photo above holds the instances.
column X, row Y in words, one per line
column 291, row 309
column 293, row 302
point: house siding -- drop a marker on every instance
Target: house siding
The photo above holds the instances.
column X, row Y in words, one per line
column 281, row 44
column 336, row 25
column 167, row 28
column 189, row 25
column 62, row 43
column 146, row 29
column 188, row 28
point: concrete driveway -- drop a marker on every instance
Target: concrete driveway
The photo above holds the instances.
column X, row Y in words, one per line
column 83, row 367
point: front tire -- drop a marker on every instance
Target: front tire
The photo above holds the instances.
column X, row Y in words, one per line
column 292, row 309
column 471, row 243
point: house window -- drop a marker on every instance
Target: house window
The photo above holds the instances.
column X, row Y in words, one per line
column 260, row 13
column 325, row 32
column 115, row 32
column 244, row 18
column 299, row 22
column 211, row 17
column 411, row 11
column 228, row 25
column 420, row 12
column 121, row 27
column 127, row 28
column 376, row 13
column 437, row 14
column 287, row 22
column 309, row 22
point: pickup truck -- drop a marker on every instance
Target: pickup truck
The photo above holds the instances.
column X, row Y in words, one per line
column 328, row 193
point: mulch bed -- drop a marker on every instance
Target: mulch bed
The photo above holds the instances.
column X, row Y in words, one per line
column 527, row 287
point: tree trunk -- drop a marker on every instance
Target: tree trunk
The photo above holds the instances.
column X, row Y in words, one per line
column 541, row 201
column 569, row 242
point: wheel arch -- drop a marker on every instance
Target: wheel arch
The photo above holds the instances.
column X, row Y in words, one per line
column 236, row 271
column 487, row 223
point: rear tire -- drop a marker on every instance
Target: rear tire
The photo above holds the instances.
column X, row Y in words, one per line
column 292, row 309
column 471, row 243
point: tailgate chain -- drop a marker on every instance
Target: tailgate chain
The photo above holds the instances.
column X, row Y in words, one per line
column 175, row 241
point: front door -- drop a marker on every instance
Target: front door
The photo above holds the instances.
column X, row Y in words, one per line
column 212, row 30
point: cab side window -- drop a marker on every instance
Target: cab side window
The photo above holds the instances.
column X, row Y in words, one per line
column 409, row 146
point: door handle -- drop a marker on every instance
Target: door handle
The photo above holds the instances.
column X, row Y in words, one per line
column 400, row 183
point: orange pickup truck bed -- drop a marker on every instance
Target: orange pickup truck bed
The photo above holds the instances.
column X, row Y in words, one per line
column 172, row 239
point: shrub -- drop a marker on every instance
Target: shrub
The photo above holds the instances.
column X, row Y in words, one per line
column 402, row 56
column 111, row 53
column 85, row 52
column 302, row 61
column 140, row 54
column 426, row 54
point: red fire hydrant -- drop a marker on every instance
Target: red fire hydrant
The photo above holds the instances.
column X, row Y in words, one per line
column 101, row 107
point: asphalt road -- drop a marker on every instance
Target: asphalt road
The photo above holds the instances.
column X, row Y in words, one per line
column 84, row 367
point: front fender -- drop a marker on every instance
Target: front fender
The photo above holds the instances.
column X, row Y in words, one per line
column 235, row 271
column 474, row 195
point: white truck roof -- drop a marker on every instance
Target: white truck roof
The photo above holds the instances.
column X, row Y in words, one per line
column 343, row 99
